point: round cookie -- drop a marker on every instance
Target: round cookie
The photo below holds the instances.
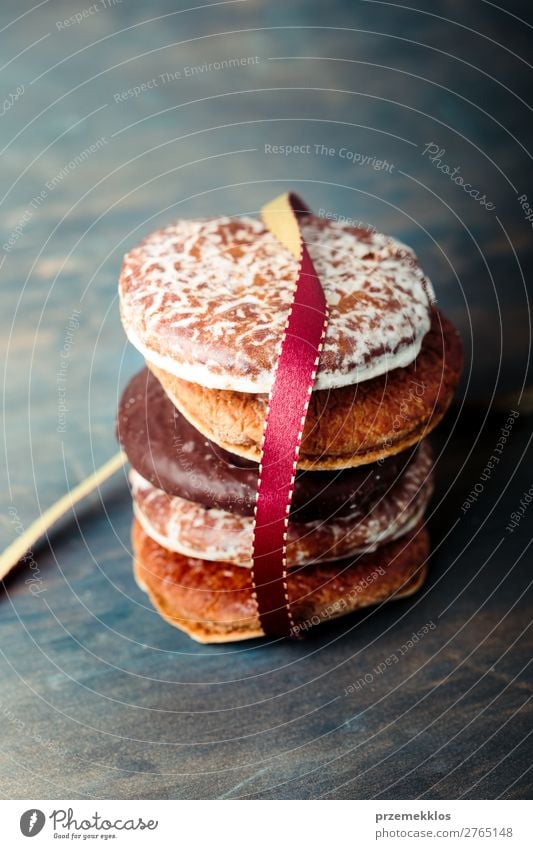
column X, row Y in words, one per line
column 207, row 301
column 165, row 449
column 346, row 427
column 211, row 534
column 213, row 602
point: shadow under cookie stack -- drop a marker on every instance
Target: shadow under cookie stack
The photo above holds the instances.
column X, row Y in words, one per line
column 205, row 302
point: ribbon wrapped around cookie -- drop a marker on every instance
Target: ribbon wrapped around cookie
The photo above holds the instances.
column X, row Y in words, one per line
column 294, row 376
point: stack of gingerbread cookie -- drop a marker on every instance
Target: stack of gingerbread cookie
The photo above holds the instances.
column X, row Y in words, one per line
column 205, row 302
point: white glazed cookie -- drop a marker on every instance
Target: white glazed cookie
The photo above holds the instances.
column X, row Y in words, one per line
column 214, row 602
column 213, row 534
column 207, row 300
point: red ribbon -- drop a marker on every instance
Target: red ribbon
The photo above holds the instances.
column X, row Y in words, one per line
column 294, row 377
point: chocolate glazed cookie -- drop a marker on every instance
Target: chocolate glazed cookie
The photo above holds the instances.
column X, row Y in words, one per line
column 353, row 425
column 166, row 450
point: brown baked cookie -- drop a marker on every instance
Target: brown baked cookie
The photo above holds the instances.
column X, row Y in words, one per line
column 166, row 450
column 195, row 531
column 207, row 301
column 213, row 603
column 345, row 427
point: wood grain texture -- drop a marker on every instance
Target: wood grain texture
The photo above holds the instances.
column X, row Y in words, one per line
column 100, row 698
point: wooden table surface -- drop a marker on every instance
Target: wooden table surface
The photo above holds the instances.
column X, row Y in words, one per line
column 125, row 117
